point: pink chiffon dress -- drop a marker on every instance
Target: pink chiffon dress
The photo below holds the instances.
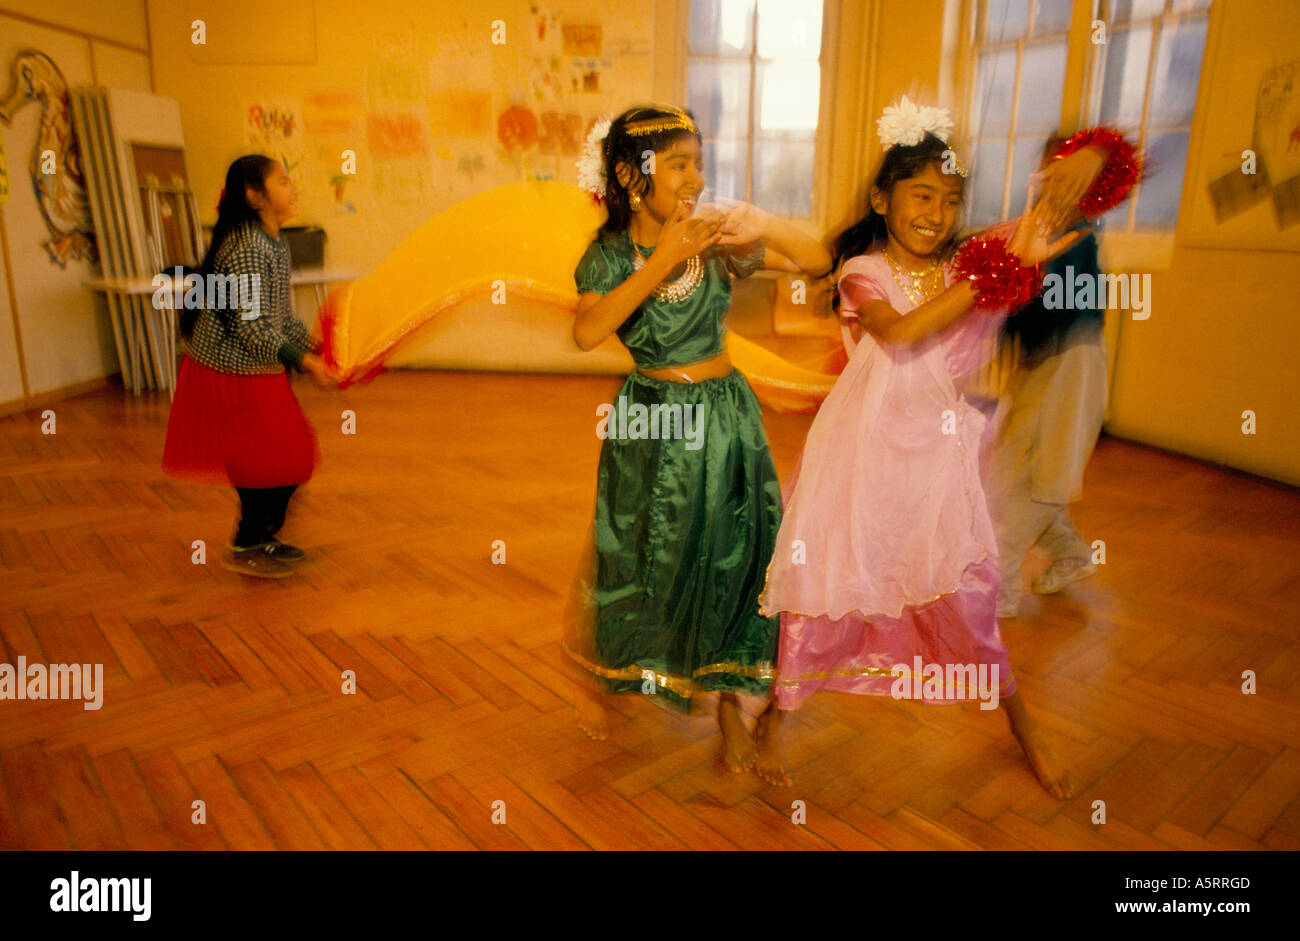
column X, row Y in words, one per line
column 886, row 552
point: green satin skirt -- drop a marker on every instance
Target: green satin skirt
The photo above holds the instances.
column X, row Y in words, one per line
column 687, row 512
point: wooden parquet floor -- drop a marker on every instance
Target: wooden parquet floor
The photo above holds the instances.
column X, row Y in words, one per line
column 227, row 690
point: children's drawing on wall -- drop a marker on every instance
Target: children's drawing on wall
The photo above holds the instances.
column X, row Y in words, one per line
column 534, row 143
column 566, row 58
column 1277, row 132
column 582, row 44
column 458, row 113
column 398, row 143
column 275, row 129
column 397, row 133
column 335, row 121
column 517, row 129
column 463, row 118
column 55, row 164
column 581, row 40
column 470, row 164
column 1275, row 143
column 1248, row 195
column 560, row 135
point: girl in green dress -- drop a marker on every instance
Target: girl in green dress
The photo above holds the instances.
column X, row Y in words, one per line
column 688, row 503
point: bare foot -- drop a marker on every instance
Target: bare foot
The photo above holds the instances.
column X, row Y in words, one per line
column 592, row 717
column 1047, row 769
column 738, row 749
column 1049, row 772
column 770, row 763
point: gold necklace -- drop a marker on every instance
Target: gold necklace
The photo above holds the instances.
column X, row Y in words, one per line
column 681, row 288
column 925, row 284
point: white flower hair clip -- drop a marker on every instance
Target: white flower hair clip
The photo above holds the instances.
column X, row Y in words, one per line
column 907, row 123
column 591, row 165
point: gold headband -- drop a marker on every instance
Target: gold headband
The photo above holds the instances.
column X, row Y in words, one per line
column 677, row 120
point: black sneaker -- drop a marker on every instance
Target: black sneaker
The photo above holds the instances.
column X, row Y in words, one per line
column 282, row 551
column 256, row 563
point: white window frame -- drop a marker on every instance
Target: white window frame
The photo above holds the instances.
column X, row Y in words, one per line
column 1146, row 249
column 1019, row 45
column 1096, row 62
column 828, row 52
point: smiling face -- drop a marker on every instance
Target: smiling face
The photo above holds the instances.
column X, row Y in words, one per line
column 279, row 201
column 920, row 213
column 678, row 177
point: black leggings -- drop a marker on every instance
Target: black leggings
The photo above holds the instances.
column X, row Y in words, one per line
column 261, row 514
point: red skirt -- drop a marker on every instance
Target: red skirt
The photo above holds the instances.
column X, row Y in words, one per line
column 242, row 431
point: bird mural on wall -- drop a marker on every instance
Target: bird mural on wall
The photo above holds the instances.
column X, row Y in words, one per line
column 61, row 195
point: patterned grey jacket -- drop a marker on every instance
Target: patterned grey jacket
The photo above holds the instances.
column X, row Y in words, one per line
column 257, row 333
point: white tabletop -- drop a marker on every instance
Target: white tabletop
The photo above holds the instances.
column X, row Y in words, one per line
column 297, row 276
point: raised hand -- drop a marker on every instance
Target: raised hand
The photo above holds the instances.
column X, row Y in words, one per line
column 741, row 222
column 1064, row 182
column 1028, row 241
column 684, row 235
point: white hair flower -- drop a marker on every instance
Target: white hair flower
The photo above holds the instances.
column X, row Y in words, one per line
column 591, row 165
column 907, row 123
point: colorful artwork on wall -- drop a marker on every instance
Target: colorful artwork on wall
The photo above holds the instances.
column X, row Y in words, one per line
column 581, row 40
column 396, row 136
column 1245, row 180
column 456, row 113
column 55, row 165
column 517, row 128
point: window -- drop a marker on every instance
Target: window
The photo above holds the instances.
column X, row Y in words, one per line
column 1145, row 85
column 753, row 82
column 1143, row 82
column 1019, row 80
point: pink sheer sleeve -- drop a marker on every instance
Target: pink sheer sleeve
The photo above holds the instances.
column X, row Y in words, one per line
column 858, row 286
column 857, row 289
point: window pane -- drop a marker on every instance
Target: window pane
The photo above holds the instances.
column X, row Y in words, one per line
column 1005, row 19
column 717, row 93
column 787, row 96
column 1124, row 77
column 984, row 189
column 1122, row 11
column 1178, row 69
column 1025, row 159
column 789, row 29
column 783, row 172
column 1051, row 16
column 1158, row 197
column 722, row 27
column 724, row 169
column 1042, row 80
column 994, row 83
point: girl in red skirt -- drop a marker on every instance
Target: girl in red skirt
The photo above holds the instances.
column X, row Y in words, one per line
column 234, row 419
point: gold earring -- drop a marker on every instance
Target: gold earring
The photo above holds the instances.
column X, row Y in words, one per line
column 634, row 201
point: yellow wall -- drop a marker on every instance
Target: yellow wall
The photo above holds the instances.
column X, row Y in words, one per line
column 1225, row 325
column 415, row 89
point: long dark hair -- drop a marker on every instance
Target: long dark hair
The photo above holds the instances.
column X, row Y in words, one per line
column 233, row 211
column 621, row 147
column 902, row 162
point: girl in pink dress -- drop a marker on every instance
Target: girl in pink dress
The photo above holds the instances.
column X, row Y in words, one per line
column 885, row 569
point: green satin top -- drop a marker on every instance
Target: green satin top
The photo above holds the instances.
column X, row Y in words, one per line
column 670, row 333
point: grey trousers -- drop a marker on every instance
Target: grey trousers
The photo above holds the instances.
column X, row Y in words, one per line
column 1047, row 425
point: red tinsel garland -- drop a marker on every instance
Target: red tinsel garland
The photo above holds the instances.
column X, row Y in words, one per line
column 1000, row 281
column 1123, row 168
